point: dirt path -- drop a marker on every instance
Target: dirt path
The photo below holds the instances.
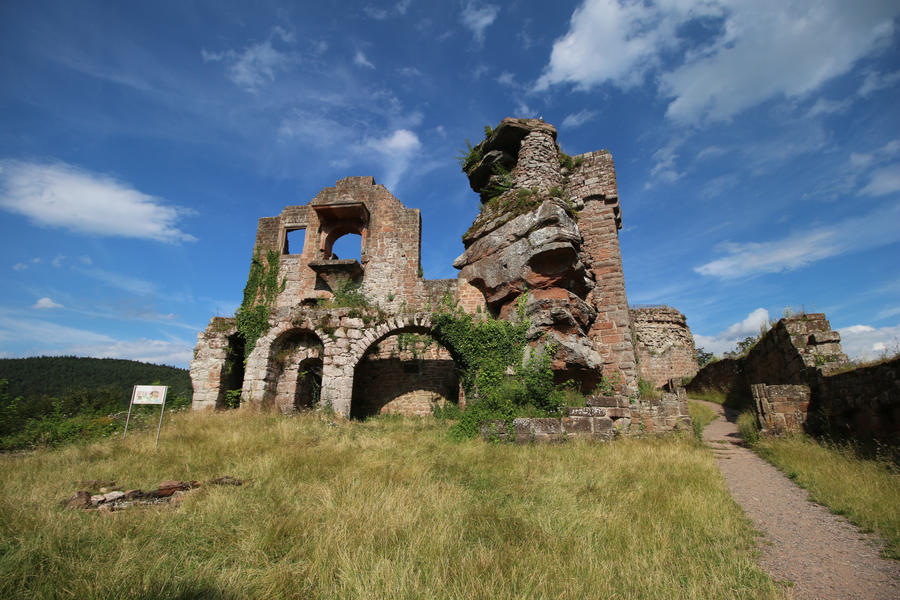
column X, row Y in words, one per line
column 824, row 555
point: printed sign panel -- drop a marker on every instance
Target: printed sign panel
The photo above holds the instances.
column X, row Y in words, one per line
column 149, row 394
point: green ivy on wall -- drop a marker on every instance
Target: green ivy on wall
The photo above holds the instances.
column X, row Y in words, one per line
column 263, row 287
column 486, row 350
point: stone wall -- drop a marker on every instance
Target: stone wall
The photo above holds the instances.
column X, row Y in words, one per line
column 862, row 403
column 725, row 375
column 604, row 418
column 664, row 345
column 210, row 365
column 781, row 408
column 799, row 377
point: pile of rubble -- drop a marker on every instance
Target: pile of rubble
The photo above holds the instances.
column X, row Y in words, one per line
column 109, row 497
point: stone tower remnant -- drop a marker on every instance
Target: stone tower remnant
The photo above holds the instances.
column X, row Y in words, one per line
column 664, row 345
column 547, row 236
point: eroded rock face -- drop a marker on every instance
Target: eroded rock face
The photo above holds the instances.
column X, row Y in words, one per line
column 527, row 239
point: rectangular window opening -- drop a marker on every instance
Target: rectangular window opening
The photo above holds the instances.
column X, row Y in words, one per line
column 294, row 240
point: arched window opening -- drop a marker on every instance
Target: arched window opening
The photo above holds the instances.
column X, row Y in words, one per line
column 347, row 247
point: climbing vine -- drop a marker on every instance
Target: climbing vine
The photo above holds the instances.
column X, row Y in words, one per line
column 487, row 351
column 252, row 317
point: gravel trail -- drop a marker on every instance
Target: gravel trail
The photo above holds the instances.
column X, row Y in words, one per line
column 823, row 555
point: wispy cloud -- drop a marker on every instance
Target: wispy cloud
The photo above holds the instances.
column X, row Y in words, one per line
column 46, row 303
column 61, row 195
column 805, row 247
column 478, row 17
column 360, row 60
column 396, row 151
column 883, row 181
column 876, row 81
column 120, row 281
column 257, row 64
column 579, row 118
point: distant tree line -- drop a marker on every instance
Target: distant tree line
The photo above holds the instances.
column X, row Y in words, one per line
column 49, row 400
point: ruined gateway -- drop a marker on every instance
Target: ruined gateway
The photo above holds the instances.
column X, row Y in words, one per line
column 549, row 227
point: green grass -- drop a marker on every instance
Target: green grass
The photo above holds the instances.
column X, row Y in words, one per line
column 865, row 491
column 701, row 416
column 388, row 508
column 748, row 426
column 714, row 396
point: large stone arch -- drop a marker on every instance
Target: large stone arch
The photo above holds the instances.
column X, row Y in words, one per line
column 274, row 366
column 390, row 376
column 342, row 357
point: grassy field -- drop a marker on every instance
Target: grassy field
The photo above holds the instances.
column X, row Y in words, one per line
column 389, row 508
column 865, row 491
column 701, row 416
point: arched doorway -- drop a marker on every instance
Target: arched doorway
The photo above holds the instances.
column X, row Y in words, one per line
column 309, row 384
column 405, row 372
column 294, row 373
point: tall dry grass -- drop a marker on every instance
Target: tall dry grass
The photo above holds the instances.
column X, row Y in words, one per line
column 865, row 491
column 389, row 508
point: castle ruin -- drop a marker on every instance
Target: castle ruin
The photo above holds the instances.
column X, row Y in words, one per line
column 547, row 233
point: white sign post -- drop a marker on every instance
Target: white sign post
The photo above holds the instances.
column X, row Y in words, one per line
column 147, row 394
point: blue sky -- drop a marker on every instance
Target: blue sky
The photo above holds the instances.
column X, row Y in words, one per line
column 757, row 145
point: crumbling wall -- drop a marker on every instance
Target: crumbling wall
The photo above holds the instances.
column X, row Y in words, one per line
column 799, row 377
column 862, row 403
column 664, row 345
column 604, row 418
column 209, row 367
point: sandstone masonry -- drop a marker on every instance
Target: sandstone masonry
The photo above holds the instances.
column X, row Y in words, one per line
column 549, row 228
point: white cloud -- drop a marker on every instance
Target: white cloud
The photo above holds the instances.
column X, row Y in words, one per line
column 359, row 59
column 177, row 353
column 396, row 151
column 726, row 340
column 39, row 337
column 61, row 195
column 257, row 64
column 883, row 181
column 608, row 42
column 379, row 14
column 664, row 159
column 802, row 248
column 762, row 49
column 507, row 78
column 15, row 328
column 875, row 81
column 828, row 107
column 866, row 342
column 58, row 261
column 19, row 267
column 478, row 17
column 578, row 119
column 46, row 303
column 127, row 283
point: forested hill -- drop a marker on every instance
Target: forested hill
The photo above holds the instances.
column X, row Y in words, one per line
column 56, row 375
